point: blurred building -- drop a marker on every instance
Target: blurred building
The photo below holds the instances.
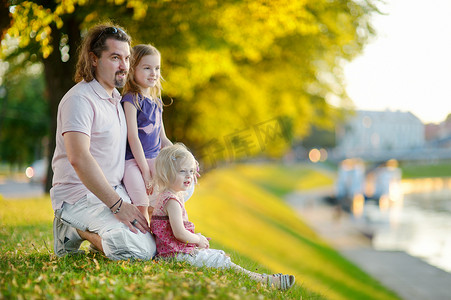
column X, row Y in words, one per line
column 431, row 131
column 439, row 135
column 379, row 134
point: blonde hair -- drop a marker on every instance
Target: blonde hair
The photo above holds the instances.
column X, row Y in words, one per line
column 168, row 162
column 131, row 86
column 95, row 42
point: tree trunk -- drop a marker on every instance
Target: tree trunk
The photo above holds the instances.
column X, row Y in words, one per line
column 59, row 79
column 5, row 17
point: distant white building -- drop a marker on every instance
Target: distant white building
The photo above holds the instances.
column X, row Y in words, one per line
column 379, row 134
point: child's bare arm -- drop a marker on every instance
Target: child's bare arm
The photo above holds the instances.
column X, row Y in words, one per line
column 164, row 139
column 178, row 229
column 150, row 210
column 136, row 146
column 144, row 211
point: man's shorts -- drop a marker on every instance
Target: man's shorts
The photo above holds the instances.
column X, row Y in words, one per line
column 119, row 243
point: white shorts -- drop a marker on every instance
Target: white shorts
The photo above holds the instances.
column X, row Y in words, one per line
column 211, row 258
column 118, row 242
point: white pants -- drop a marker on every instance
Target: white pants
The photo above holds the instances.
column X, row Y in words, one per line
column 211, row 258
column 118, row 242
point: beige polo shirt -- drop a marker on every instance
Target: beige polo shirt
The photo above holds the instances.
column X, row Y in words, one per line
column 87, row 108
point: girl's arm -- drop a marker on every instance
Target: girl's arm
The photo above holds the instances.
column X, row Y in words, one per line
column 145, row 211
column 135, row 144
column 178, row 229
column 164, row 139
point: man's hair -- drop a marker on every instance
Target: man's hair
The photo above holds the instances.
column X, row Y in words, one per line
column 95, row 42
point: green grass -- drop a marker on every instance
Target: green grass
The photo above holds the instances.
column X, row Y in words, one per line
column 233, row 206
column 442, row 169
column 283, row 179
column 29, row 269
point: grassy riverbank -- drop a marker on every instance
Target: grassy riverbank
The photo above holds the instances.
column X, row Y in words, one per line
column 442, row 169
column 239, row 207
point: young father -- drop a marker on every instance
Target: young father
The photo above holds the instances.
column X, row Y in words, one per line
column 89, row 201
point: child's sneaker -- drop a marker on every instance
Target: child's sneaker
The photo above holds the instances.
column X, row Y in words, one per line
column 280, row 281
column 66, row 238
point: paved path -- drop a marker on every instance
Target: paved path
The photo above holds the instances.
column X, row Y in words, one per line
column 410, row 277
column 13, row 189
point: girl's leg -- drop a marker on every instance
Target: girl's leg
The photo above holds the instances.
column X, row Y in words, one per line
column 279, row 281
column 252, row 275
column 218, row 259
column 152, row 197
column 210, row 258
column 150, row 211
column 134, row 183
column 145, row 211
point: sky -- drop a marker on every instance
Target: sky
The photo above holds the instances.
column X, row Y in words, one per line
column 408, row 66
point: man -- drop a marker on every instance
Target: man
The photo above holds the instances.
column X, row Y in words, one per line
column 89, row 201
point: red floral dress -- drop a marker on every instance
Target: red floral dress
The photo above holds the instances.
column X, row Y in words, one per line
column 167, row 244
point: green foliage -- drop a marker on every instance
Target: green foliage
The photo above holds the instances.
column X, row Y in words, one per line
column 24, row 118
column 262, row 61
column 229, row 65
column 321, row 138
column 415, row 170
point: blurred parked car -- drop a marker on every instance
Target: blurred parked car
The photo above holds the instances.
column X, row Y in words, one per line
column 37, row 172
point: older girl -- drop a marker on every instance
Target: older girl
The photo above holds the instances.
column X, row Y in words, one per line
column 143, row 109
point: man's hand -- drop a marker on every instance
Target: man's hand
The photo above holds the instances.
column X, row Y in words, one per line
column 128, row 214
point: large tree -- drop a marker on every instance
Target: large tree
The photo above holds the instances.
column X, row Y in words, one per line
column 23, row 116
column 246, row 77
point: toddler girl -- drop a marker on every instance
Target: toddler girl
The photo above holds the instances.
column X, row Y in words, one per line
column 174, row 233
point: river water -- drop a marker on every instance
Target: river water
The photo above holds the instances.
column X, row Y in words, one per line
column 419, row 224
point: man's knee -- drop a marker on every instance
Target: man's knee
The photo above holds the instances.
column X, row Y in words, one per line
column 122, row 244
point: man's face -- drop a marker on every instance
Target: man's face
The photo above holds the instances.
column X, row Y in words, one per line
column 112, row 65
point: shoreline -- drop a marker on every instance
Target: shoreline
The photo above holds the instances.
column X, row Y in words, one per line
column 408, row 276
